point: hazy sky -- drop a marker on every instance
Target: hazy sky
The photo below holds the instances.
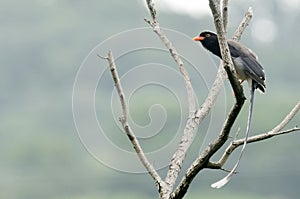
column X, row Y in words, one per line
column 196, row 8
column 263, row 25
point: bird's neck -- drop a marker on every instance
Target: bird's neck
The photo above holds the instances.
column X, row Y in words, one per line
column 213, row 46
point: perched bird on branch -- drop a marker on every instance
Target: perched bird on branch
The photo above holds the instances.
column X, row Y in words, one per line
column 247, row 68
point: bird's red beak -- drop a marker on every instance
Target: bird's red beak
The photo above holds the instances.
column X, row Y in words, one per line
column 198, row 38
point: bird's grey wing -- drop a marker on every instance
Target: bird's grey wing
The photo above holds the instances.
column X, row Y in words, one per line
column 254, row 70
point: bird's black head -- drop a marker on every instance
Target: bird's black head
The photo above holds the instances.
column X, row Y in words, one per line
column 210, row 41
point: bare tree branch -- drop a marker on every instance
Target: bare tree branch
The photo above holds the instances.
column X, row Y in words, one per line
column 124, row 120
column 288, row 118
column 274, row 132
column 235, row 144
column 225, row 14
column 218, row 83
column 199, row 163
column 196, row 115
column 174, row 53
column 244, row 23
column 194, row 118
column 228, row 65
column 191, row 125
column 150, row 5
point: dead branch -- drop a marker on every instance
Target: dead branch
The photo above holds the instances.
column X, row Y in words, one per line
column 123, row 119
column 174, row 53
column 189, row 131
column 225, row 14
column 274, row 132
column 244, row 23
column 200, row 162
column 196, row 115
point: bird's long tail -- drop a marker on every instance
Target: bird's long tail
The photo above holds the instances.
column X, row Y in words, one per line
column 226, row 179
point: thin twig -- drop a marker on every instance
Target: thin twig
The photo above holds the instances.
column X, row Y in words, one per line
column 174, row 53
column 211, row 98
column 124, row 120
column 150, row 5
column 213, row 165
column 189, row 131
column 274, row 132
column 225, row 14
column 288, row 118
column 235, row 144
column 200, row 163
column 118, row 86
column 244, row 23
column 102, row 57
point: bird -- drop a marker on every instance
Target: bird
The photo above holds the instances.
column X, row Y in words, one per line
column 247, row 68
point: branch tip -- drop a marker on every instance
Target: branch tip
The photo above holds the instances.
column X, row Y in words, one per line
column 250, row 10
column 102, row 57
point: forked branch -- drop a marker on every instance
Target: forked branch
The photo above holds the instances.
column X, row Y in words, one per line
column 274, row 132
column 196, row 115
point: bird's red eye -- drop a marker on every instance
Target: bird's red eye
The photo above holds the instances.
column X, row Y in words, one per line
column 207, row 35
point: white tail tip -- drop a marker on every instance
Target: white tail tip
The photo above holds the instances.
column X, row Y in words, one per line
column 222, row 182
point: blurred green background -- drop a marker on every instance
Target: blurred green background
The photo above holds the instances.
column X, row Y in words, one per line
column 43, row 43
